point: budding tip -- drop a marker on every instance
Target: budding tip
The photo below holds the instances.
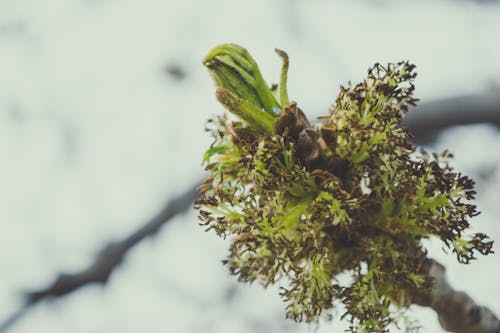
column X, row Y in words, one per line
column 209, row 61
column 281, row 53
column 230, row 49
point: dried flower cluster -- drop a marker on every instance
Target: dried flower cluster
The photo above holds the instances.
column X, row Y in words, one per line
column 350, row 196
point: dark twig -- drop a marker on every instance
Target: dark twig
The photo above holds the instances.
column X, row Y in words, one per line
column 428, row 119
column 12, row 319
column 112, row 254
column 107, row 259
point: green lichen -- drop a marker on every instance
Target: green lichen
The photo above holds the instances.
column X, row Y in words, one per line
column 350, row 196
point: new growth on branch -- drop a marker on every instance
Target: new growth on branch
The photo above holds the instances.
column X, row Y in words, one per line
column 351, row 195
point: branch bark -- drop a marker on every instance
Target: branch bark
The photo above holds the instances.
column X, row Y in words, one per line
column 430, row 118
column 457, row 311
column 107, row 260
column 112, row 254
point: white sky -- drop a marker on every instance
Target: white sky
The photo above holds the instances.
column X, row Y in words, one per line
column 95, row 137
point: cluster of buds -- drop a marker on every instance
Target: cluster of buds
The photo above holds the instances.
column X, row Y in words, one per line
column 304, row 204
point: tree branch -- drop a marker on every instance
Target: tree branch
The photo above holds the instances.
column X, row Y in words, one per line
column 107, row 259
column 457, row 311
column 430, row 118
column 112, row 254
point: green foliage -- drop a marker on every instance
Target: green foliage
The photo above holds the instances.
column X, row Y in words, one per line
column 350, row 196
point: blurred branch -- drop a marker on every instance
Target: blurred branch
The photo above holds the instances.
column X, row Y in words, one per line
column 429, row 118
column 457, row 312
column 107, row 259
column 112, row 254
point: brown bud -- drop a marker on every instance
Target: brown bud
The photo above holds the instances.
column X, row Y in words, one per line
column 307, row 145
column 292, row 121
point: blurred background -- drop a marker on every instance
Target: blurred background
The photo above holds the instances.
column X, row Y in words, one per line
column 103, row 105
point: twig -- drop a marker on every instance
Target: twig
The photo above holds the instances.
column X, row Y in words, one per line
column 428, row 119
column 12, row 319
column 112, row 254
column 457, row 311
column 107, row 259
